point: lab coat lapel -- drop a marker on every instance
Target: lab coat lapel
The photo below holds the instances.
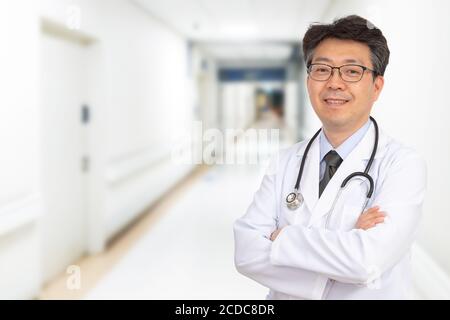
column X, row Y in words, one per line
column 355, row 161
column 309, row 186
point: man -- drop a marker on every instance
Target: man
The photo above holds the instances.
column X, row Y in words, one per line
column 325, row 248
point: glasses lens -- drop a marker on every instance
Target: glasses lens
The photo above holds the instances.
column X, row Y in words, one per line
column 319, row 72
column 352, row 73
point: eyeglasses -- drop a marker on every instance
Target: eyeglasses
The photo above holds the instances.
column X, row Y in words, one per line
column 348, row 72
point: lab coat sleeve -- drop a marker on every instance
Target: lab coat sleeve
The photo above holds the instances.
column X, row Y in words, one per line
column 253, row 246
column 359, row 256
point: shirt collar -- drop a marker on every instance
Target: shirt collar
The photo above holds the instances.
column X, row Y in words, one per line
column 347, row 146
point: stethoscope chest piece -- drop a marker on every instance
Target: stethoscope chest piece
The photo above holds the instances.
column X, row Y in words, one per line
column 294, row 200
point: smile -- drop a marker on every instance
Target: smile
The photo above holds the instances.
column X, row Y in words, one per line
column 335, row 102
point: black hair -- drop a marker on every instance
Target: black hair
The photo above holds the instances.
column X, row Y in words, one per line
column 352, row 27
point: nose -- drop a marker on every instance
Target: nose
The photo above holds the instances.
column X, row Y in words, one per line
column 335, row 82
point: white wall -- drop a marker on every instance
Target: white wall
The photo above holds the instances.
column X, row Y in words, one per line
column 414, row 106
column 19, row 194
column 143, row 98
column 148, row 97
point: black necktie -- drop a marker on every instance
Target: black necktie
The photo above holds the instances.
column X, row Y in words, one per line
column 332, row 163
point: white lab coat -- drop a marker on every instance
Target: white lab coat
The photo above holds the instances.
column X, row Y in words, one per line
column 309, row 261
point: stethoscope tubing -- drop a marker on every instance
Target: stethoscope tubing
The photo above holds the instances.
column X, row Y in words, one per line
column 364, row 174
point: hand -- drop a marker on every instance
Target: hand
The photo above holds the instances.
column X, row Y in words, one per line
column 275, row 234
column 370, row 218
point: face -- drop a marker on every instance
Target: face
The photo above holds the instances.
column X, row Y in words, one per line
column 341, row 105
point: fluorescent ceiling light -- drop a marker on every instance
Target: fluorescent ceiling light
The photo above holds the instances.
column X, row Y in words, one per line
column 237, row 30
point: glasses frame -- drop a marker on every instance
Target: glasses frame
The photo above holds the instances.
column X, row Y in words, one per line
column 339, row 69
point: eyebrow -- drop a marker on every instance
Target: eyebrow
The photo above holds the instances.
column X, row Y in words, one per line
column 325, row 59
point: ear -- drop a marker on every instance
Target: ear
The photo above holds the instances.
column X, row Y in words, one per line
column 378, row 85
column 308, row 82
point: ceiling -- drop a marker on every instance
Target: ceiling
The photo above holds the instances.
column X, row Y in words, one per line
column 267, row 27
column 246, row 52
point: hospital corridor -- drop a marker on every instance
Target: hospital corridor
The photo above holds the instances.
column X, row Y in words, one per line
column 134, row 133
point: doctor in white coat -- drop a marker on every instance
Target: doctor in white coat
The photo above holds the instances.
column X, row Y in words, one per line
column 312, row 252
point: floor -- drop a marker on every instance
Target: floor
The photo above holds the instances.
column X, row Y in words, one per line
column 189, row 253
column 179, row 249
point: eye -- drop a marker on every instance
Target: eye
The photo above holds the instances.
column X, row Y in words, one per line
column 353, row 71
column 319, row 69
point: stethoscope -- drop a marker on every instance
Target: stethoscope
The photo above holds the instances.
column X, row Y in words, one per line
column 295, row 199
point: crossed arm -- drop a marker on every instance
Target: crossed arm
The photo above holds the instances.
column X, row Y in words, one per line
column 355, row 256
column 369, row 219
column 378, row 241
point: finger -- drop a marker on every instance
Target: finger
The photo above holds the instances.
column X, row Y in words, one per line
column 370, row 219
column 374, row 222
column 365, row 224
column 368, row 225
column 379, row 220
column 371, row 210
column 378, row 215
column 375, row 218
column 375, row 214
